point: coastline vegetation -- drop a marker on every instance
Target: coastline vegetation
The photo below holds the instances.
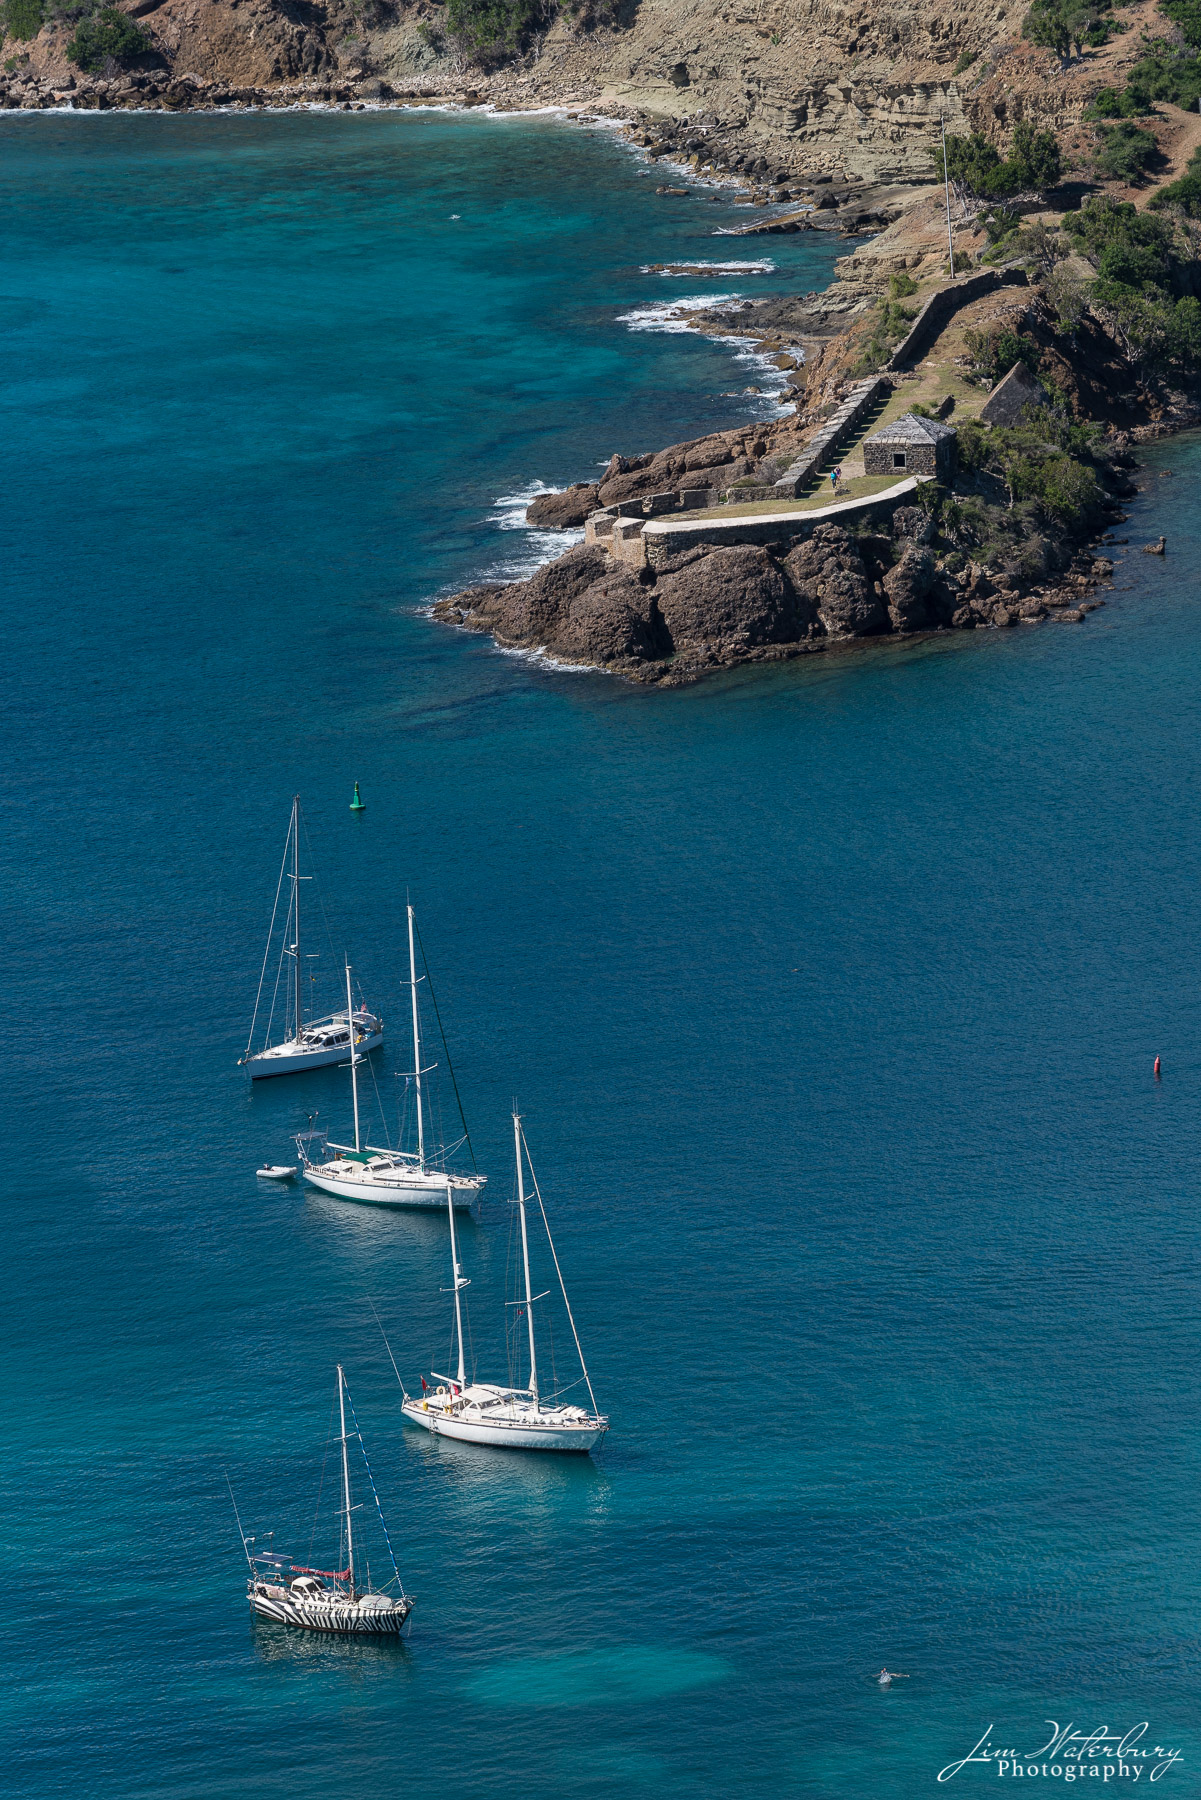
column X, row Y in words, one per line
column 489, row 32
column 1067, row 25
column 22, row 19
column 1034, row 163
column 106, row 36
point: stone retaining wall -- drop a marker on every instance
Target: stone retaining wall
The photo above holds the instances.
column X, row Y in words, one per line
column 661, row 539
column 839, row 426
column 942, row 306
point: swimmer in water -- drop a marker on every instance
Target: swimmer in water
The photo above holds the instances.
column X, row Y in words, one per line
column 886, row 1680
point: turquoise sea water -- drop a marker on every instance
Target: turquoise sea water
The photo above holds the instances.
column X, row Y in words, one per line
column 830, row 995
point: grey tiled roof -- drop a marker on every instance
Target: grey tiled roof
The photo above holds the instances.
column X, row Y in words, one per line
column 910, row 429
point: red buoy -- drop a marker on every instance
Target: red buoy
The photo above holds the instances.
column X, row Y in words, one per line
column 1157, row 1075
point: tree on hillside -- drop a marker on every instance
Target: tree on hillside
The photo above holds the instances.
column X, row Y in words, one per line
column 1034, row 163
column 1067, row 25
column 108, row 36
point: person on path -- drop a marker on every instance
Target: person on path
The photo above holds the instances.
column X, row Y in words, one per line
column 835, row 476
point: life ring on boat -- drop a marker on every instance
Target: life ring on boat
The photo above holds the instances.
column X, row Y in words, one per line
column 440, row 1391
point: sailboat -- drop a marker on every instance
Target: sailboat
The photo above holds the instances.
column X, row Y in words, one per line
column 328, row 1599
column 507, row 1417
column 317, row 1043
column 384, row 1177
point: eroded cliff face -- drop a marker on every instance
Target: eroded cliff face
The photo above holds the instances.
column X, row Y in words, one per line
column 804, row 80
column 803, row 85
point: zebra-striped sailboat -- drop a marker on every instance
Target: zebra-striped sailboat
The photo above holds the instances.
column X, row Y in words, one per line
column 328, row 1599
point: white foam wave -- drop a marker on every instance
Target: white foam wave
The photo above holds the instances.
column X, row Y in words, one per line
column 513, row 516
column 538, row 547
column 680, row 271
column 670, row 315
column 546, row 659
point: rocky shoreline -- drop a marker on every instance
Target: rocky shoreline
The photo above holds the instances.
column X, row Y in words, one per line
column 824, row 586
column 715, row 608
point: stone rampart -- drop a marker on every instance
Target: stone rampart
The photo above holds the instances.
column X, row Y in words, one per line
column 663, row 539
column 836, row 430
column 942, row 306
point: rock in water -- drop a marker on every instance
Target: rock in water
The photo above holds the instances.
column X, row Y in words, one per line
column 579, row 608
column 565, row 511
column 1156, row 549
column 527, row 612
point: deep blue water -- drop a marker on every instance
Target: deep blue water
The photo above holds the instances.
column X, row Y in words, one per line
column 830, row 995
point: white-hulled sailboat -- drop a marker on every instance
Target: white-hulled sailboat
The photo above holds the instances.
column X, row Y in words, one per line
column 329, row 1599
column 387, row 1177
column 319, row 1042
column 507, row 1418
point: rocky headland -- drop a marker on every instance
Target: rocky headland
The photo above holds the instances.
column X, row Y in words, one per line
column 665, row 591
column 1074, row 223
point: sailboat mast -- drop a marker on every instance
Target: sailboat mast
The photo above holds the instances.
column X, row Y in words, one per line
column 296, row 899
column 416, row 1047
column 525, row 1257
column 345, row 1476
column 354, row 1074
column 454, row 1265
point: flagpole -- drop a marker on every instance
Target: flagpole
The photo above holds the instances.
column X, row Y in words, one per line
column 942, row 121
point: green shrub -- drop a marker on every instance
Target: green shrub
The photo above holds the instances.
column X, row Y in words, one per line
column 1126, row 152
column 1136, row 266
column 1040, row 247
column 107, row 36
column 1158, row 333
column 1034, row 163
column 1067, row 489
column 1184, row 334
column 1185, row 193
column 963, row 61
column 1164, row 72
column 890, row 327
column 22, row 19
column 1187, row 15
column 977, row 164
column 994, row 353
column 1103, row 222
column 1000, row 222
column 901, row 285
column 490, row 31
column 1064, row 25
column 1047, row 461
column 1110, row 104
column 1036, row 156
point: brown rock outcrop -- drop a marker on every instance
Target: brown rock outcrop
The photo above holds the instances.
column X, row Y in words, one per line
column 536, row 605
column 828, row 577
column 614, row 622
column 713, row 461
column 565, row 511
column 580, row 608
column 908, row 587
column 726, row 604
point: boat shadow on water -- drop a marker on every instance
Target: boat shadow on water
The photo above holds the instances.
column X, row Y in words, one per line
column 373, row 1223
column 274, row 1643
column 491, row 1469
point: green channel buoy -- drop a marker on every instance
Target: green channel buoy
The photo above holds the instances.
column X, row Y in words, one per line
column 356, row 804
